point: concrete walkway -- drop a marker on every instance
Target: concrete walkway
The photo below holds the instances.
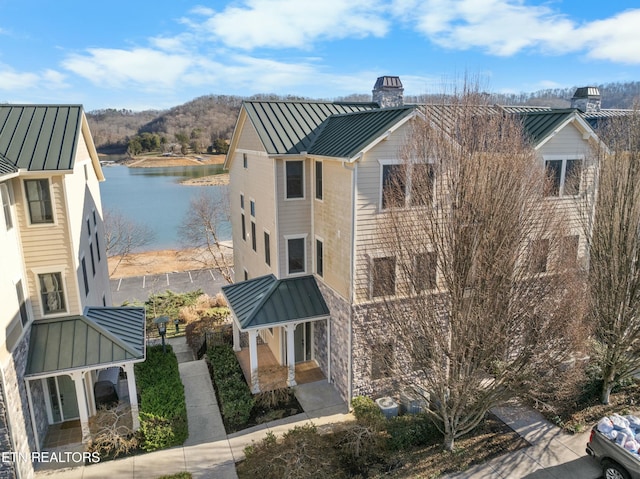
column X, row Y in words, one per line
column 209, row 453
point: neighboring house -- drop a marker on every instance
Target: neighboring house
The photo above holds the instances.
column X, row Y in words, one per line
column 58, row 329
column 306, row 190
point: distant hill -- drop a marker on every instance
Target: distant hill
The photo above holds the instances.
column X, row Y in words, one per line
column 209, row 117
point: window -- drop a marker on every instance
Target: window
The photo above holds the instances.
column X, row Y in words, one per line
column 244, row 228
column 295, row 183
column 421, row 184
column 246, row 275
column 89, row 229
column 253, row 236
column 569, row 251
column 318, row 180
column 93, row 261
column 24, row 316
column 6, row 206
column 95, row 220
column 319, row 258
column 382, row 360
column 383, row 276
column 244, row 161
column 84, row 276
column 425, row 268
column 267, row 248
column 295, row 255
column 241, row 202
column 538, row 256
column 564, row 176
column 39, row 201
column 104, row 300
column 98, row 247
column 394, row 190
column 86, row 173
column 52, row 293
column 252, row 205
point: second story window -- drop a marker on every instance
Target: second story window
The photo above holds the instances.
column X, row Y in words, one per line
column 294, row 179
column 267, row 248
column 39, row 201
column 295, row 255
column 6, row 206
column 245, row 163
column 383, row 277
column 252, row 205
column 319, row 258
column 564, row 176
column 318, row 180
column 52, row 293
column 394, row 186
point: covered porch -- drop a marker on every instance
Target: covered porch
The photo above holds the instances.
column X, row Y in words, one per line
column 268, row 304
column 82, row 361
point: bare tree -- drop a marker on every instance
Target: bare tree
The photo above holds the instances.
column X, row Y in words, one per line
column 201, row 228
column 486, row 301
column 123, row 236
column 614, row 249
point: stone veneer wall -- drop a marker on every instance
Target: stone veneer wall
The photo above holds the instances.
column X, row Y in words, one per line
column 370, row 326
column 17, row 403
column 340, row 312
column 7, row 469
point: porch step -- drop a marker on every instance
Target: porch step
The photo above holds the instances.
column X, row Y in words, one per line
column 183, row 352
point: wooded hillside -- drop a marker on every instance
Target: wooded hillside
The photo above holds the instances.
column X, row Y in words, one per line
column 211, row 117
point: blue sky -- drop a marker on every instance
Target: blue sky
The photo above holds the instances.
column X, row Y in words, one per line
column 138, row 55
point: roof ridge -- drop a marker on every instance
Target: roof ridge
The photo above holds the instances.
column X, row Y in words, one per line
column 107, row 332
column 265, row 296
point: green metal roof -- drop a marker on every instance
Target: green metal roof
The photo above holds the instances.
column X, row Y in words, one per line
column 288, row 127
column 343, row 136
column 101, row 337
column 266, row 301
column 540, row 124
column 6, row 167
column 40, row 137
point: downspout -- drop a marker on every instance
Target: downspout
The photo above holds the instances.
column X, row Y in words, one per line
column 354, row 182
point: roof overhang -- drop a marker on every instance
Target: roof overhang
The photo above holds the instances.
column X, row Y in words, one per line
column 102, row 337
column 265, row 302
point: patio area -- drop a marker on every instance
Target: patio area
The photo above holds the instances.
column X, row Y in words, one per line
column 272, row 375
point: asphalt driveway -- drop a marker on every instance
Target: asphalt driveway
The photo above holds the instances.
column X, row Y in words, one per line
column 139, row 288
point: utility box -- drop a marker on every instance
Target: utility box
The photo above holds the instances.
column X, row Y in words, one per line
column 388, row 406
column 412, row 403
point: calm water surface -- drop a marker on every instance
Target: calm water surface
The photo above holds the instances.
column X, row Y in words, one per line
column 154, row 196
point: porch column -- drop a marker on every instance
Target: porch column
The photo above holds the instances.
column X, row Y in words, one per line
column 133, row 395
column 253, row 361
column 83, row 410
column 291, row 354
column 236, row 337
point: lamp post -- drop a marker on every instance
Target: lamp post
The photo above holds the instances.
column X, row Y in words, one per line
column 161, row 323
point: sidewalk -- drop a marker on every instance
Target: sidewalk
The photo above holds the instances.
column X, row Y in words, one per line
column 554, row 454
column 208, row 453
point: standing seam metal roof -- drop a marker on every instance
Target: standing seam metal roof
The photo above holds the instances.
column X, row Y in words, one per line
column 345, row 135
column 288, row 127
column 267, row 301
column 40, row 137
column 101, row 337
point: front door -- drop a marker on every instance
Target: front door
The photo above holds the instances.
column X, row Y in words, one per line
column 303, row 342
column 62, row 398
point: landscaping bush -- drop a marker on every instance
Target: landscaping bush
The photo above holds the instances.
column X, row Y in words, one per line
column 236, row 400
column 163, row 413
column 365, row 409
column 410, row 431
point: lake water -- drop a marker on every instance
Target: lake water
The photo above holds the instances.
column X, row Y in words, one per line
column 154, row 196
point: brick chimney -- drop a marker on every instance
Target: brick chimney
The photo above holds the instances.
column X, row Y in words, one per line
column 387, row 92
column 586, row 99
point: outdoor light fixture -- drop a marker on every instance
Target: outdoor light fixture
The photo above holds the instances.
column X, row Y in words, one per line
column 161, row 323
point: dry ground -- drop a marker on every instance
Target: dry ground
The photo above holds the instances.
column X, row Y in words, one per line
column 152, row 262
column 164, row 161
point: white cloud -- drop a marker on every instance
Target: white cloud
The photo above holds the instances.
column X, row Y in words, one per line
column 615, row 39
column 295, row 23
column 12, row 80
column 115, row 68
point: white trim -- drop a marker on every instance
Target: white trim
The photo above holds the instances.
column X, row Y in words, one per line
column 563, row 171
column 305, row 259
column 25, row 198
column 52, row 270
column 304, row 176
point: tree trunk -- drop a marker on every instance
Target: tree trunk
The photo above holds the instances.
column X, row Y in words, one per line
column 448, row 441
column 607, row 386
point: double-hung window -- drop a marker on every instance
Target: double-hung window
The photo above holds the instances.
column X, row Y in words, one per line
column 294, row 179
column 39, row 201
column 319, row 257
column 394, row 186
column 52, row 293
column 318, row 180
column 296, row 255
column 383, row 276
column 564, row 175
